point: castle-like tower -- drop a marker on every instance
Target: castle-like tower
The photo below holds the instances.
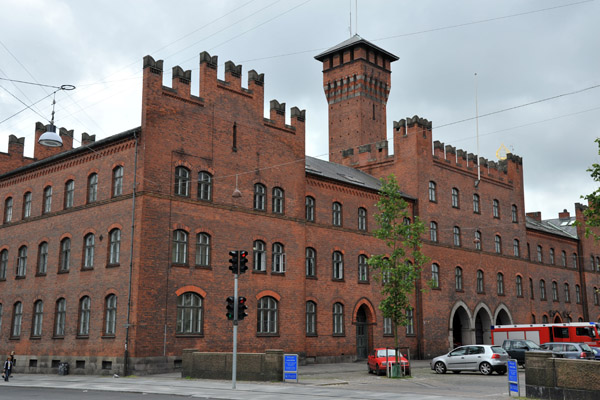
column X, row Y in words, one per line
column 356, row 81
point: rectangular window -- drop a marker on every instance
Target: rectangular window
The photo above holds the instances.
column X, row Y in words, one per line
column 387, row 326
column 47, row 200
column 27, row 205
column 410, row 322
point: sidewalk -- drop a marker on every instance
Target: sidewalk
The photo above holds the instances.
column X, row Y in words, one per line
column 315, row 381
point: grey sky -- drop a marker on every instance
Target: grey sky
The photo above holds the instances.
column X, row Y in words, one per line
column 522, row 51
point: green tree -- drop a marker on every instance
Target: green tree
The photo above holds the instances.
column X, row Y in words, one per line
column 401, row 265
column 592, row 212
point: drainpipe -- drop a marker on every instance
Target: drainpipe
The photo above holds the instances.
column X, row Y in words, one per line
column 126, row 358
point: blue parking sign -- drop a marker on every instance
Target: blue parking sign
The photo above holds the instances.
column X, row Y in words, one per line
column 290, row 367
column 513, row 377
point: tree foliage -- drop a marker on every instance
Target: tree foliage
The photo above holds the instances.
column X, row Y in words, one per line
column 592, row 213
column 401, row 265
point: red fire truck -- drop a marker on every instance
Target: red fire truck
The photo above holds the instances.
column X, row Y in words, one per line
column 586, row 332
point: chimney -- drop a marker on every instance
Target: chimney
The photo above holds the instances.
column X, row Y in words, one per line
column 536, row 215
column 564, row 215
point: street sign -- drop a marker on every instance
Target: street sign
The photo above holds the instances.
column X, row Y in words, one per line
column 290, row 367
column 513, row 377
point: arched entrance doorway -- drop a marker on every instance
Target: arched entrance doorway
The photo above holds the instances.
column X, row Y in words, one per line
column 460, row 328
column 483, row 322
column 503, row 318
column 362, row 333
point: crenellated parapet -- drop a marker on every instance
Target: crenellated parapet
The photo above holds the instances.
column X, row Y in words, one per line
column 277, row 117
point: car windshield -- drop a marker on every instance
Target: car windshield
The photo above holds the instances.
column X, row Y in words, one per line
column 390, row 353
column 532, row 345
column 499, row 350
column 585, row 347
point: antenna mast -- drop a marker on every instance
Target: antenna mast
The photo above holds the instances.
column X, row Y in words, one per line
column 477, row 132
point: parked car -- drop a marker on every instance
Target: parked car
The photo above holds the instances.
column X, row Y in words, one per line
column 484, row 358
column 569, row 350
column 516, row 348
column 596, row 351
column 378, row 360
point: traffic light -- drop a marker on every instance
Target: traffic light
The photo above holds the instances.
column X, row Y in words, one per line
column 234, row 261
column 243, row 261
column 242, row 307
column 230, row 307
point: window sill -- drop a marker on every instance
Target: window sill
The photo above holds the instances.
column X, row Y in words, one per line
column 14, row 338
column 363, row 282
column 275, row 273
column 2, row 279
column 63, row 271
column 189, row 335
column 113, row 265
column 312, row 335
column 40, row 274
column 256, row 271
column 19, row 277
column 500, row 294
column 207, row 267
column 267, row 334
column 437, row 288
column 481, row 292
column 388, row 335
column 339, row 335
column 459, row 290
column 108, row 336
column 337, row 279
column 82, row 337
column 313, row 277
column 58, row 337
column 179, row 265
column 35, row 337
column 87, row 269
column 410, row 335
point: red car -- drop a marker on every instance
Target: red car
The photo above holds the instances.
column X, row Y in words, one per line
column 377, row 361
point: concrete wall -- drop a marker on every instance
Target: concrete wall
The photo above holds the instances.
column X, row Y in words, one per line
column 250, row 366
column 559, row 378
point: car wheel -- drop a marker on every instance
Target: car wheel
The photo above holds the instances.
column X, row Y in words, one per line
column 377, row 372
column 456, row 372
column 485, row 368
column 440, row 367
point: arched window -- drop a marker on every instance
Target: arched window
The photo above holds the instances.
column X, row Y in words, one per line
column 338, row 265
column 65, row 255
column 433, row 231
column 267, row 315
column 516, row 248
column 310, row 209
column 27, row 199
column 435, row 276
column 260, row 197
column 519, row 286
column 432, row 191
column 479, row 281
column 260, row 256
column 476, row 203
column 22, row 262
column 42, row 266
column 38, row 317
column 8, row 209
column 84, row 316
column 544, row 319
column 92, row 188
column 563, row 258
column 110, row 315
column 204, row 186
column 69, row 193
column 17, row 319
column 540, row 257
column 336, row 214
column 542, row 290
column 88, row 251
column 278, row 200
column 363, row 268
column 182, row 181
column 338, row 319
column 596, row 296
column 456, row 231
column 47, row 200
column 458, row 279
column 117, row 181
column 311, row 262
column 3, row 264
column 189, row 314
column 514, row 215
column 500, row 283
column 574, row 260
column 203, row 249
column 410, row 322
column 552, row 261
column 311, row 318
column 554, row 291
column 362, row 219
column 114, row 248
column 60, row 317
column 278, row 258
column 577, row 294
column 567, row 293
column 477, row 240
column 498, row 244
column 455, row 198
column 496, row 208
column 531, row 292
column 180, row 247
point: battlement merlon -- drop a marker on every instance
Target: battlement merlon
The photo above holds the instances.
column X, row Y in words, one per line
column 16, row 146
column 181, row 80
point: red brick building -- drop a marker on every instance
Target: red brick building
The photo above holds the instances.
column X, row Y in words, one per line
column 116, row 252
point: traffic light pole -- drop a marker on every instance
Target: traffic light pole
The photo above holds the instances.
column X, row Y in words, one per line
column 235, row 326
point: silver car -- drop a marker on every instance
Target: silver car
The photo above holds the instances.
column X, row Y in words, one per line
column 484, row 358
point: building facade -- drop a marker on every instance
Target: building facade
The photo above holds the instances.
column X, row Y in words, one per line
column 114, row 254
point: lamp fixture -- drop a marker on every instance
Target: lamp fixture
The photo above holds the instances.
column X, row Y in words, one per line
column 50, row 138
column 236, row 192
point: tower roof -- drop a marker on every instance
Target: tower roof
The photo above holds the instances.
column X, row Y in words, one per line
column 353, row 42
